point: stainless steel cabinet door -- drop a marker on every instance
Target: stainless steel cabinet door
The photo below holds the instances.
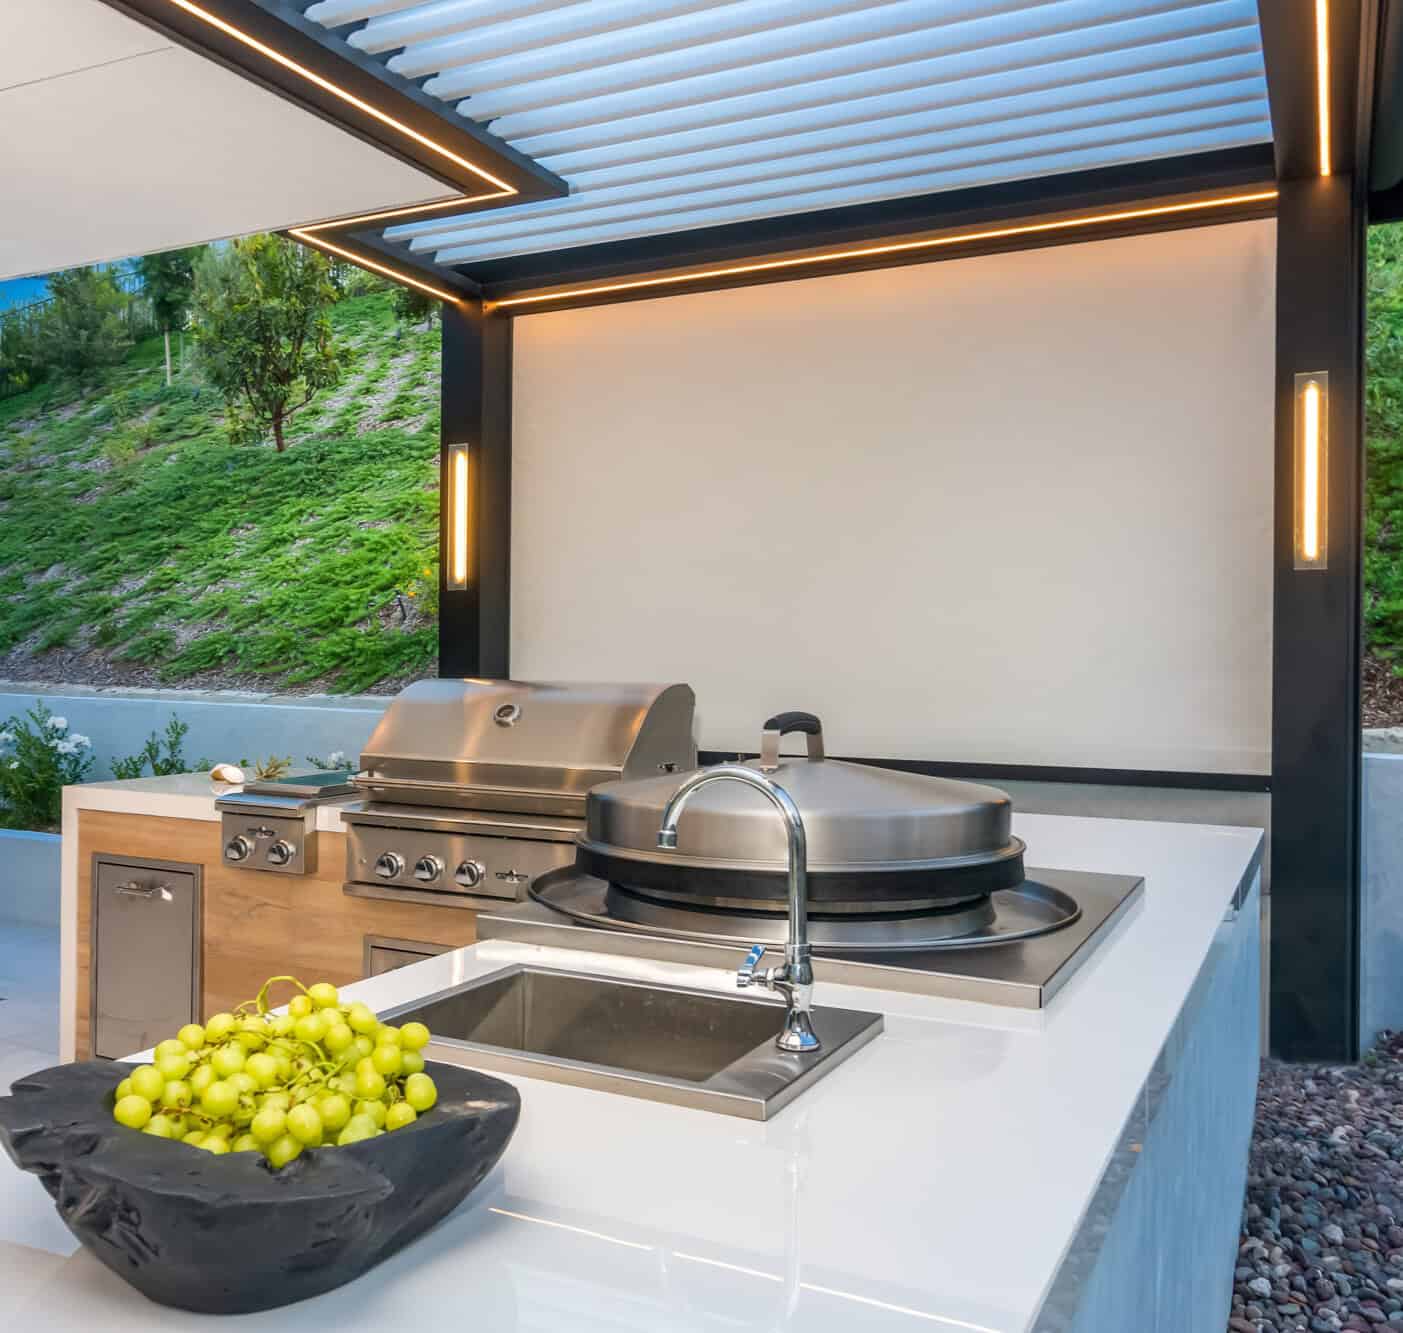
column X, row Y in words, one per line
column 146, row 951
column 383, row 954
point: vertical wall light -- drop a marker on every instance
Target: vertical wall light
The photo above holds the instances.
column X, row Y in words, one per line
column 1312, row 451
column 458, row 494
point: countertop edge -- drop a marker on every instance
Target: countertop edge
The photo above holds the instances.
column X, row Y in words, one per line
column 1111, row 1185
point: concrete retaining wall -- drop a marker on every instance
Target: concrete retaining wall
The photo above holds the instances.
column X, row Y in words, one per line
column 1381, row 906
column 29, row 878
column 225, row 726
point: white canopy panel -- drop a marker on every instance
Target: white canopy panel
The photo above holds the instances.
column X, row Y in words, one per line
column 665, row 115
column 116, row 142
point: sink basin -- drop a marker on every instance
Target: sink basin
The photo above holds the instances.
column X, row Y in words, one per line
column 693, row 1048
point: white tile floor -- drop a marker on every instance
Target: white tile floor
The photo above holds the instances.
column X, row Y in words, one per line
column 28, row 1000
column 32, row 1238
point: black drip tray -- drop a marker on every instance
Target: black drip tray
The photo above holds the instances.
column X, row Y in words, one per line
column 1033, row 908
column 1024, row 971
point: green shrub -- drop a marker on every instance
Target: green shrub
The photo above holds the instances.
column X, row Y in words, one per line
column 416, row 307
column 22, row 364
column 163, row 755
column 333, row 763
column 81, row 331
column 118, row 447
column 38, row 759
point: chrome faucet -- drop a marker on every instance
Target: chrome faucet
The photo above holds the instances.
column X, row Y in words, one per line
column 795, row 980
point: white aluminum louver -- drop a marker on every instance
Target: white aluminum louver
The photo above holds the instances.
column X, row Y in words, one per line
column 675, row 114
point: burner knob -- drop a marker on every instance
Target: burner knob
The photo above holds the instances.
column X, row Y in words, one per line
column 390, row 866
column 427, row 869
column 280, row 853
column 238, row 849
column 470, row 874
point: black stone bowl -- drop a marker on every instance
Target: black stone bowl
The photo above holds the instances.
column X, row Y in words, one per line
column 229, row 1235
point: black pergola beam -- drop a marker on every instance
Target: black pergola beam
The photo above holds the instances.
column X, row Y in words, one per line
column 282, row 27
column 396, row 262
column 1316, row 636
column 474, row 623
column 1316, row 742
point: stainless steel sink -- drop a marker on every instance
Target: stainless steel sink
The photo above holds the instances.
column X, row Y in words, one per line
column 671, row 1044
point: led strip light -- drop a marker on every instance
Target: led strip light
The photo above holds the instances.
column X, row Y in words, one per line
column 310, row 235
column 326, row 85
column 897, row 247
column 1322, row 80
column 397, row 275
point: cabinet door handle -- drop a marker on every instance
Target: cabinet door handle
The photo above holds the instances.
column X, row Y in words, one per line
column 148, row 891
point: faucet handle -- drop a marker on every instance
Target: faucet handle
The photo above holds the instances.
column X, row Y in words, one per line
column 745, row 975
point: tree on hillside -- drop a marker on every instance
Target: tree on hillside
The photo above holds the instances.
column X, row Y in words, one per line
column 169, row 281
column 262, row 328
column 412, row 305
column 81, row 330
column 21, row 354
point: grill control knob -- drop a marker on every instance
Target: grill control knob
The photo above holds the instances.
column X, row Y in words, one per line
column 238, row 849
column 427, row 869
column 390, row 866
column 280, row 853
column 470, row 874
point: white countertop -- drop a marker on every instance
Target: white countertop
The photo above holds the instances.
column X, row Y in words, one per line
column 933, row 1181
column 179, row 796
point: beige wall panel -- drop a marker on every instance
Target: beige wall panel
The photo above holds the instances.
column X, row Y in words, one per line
column 1013, row 508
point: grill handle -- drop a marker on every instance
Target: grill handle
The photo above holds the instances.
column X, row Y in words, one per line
column 780, row 726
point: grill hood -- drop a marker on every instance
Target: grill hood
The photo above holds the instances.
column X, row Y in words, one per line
column 514, row 746
column 877, row 838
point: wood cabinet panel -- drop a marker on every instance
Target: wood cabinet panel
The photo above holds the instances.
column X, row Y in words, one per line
column 256, row 925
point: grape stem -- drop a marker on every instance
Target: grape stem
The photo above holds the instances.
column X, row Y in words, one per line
column 262, row 1000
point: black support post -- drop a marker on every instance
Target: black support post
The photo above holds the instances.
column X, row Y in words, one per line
column 474, row 623
column 1315, row 702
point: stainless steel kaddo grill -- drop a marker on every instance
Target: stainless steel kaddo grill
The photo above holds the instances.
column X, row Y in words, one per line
column 895, row 860
column 912, row 882
column 476, row 788
column 266, row 825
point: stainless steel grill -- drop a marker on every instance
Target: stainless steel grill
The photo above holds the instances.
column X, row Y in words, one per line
column 476, row 788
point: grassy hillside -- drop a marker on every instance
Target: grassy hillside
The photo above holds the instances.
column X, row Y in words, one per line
column 138, row 546
column 1383, row 499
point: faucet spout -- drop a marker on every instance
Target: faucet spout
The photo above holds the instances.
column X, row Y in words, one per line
column 795, row 979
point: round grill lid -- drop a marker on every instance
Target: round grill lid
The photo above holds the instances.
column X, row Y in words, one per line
column 858, row 818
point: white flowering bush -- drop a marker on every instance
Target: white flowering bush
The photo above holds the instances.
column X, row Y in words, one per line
column 39, row 757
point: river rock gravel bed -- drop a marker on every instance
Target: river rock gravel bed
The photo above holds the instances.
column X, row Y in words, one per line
column 1321, row 1247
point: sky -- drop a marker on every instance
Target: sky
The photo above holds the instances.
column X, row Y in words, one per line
column 21, row 291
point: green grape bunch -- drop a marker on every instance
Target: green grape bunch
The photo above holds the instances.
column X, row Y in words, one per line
column 323, row 1073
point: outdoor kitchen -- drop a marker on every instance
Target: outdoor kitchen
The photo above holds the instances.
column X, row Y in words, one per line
column 782, row 981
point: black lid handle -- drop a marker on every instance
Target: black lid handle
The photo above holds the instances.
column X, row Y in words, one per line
column 784, row 723
column 781, row 725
